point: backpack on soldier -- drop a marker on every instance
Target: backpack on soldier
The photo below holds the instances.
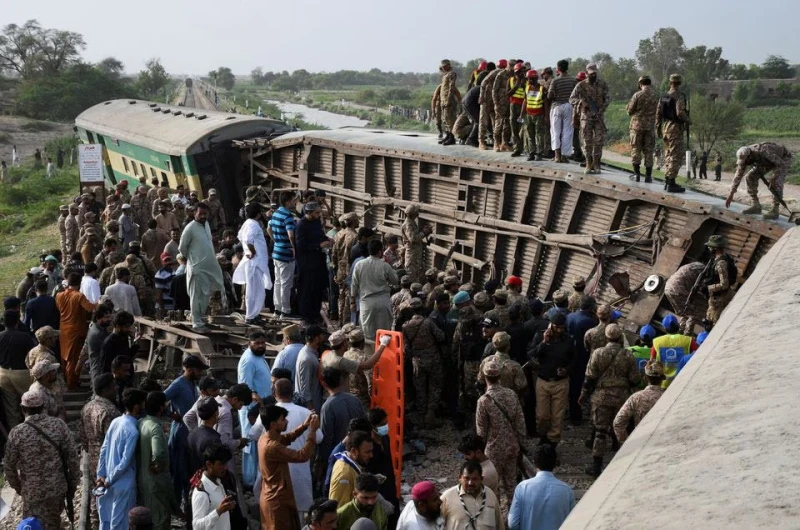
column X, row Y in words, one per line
column 669, row 108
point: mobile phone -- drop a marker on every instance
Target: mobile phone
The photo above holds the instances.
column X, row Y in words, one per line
column 99, row 491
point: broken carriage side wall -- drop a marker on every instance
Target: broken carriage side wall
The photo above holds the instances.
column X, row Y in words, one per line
column 492, row 212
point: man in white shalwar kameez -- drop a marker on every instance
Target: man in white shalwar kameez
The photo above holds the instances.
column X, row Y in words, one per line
column 373, row 279
column 253, row 270
column 300, row 473
column 203, row 273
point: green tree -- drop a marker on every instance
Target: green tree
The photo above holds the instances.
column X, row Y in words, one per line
column 62, row 97
column 257, row 74
column 661, row 55
column 302, row 79
column 111, row 66
column 223, row 77
column 701, row 64
column 715, row 121
column 31, row 50
column 776, row 67
column 152, row 79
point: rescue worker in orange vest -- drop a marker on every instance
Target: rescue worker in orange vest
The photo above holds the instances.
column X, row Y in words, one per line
column 669, row 349
column 516, row 98
column 473, row 78
column 532, row 112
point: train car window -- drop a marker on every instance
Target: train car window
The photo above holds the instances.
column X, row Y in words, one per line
column 135, row 171
column 153, row 172
column 125, row 163
column 144, row 171
column 166, row 163
column 164, row 179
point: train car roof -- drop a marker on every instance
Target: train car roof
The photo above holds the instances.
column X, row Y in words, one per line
column 171, row 129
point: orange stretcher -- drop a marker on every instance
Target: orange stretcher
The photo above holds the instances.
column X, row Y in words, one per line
column 388, row 394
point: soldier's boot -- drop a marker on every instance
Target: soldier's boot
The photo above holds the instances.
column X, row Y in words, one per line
column 517, row 149
column 482, row 145
column 532, row 156
column 672, row 187
column 441, row 133
column 587, row 170
column 637, row 173
column 648, row 175
column 596, row 467
column 773, row 212
column 755, row 208
column 449, row 139
column 596, row 163
column 557, row 157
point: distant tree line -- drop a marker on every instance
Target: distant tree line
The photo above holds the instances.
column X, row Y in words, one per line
column 51, row 80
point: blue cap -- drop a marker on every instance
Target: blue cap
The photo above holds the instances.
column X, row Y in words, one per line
column 461, row 297
column 670, row 322
column 647, row 331
column 616, row 315
column 701, row 338
column 29, row 523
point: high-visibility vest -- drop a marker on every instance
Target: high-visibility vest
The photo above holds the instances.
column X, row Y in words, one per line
column 642, row 355
column 670, row 349
column 534, row 96
column 518, row 97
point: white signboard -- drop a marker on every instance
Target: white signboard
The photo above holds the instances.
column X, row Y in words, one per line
column 90, row 162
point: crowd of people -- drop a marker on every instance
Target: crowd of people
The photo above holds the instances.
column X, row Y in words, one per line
column 304, row 427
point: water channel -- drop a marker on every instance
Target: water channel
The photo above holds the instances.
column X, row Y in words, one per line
column 324, row 118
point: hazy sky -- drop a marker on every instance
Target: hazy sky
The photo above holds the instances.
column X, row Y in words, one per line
column 406, row 35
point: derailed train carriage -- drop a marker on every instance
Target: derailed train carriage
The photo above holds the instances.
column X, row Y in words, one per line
column 492, row 216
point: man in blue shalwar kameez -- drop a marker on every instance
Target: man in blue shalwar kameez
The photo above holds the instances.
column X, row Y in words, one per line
column 255, row 373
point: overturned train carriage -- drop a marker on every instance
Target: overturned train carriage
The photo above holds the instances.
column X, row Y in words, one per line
column 491, row 217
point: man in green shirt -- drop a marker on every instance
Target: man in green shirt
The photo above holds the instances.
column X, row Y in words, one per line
column 364, row 504
column 155, row 484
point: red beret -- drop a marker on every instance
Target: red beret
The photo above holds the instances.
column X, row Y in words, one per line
column 424, row 491
column 514, row 281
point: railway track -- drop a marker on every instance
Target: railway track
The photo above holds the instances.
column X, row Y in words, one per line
column 196, row 97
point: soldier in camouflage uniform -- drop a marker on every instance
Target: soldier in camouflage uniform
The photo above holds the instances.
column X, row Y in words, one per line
column 216, row 213
column 720, row 290
column 591, row 98
column 340, row 259
column 42, row 488
column 436, row 110
column 468, row 343
column 403, row 295
column 423, row 338
column 109, row 275
column 142, row 206
column 642, row 109
column 515, row 297
column 360, row 382
column 487, row 117
column 414, row 243
column 671, row 122
column 500, row 421
column 96, row 416
column 449, row 100
column 596, row 337
column 72, row 231
column 502, row 113
column 431, row 281
column 764, row 157
column 511, row 374
column 610, row 375
column 500, row 311
column 112, row 212
column 83, row 207
column 639, row 404
column 122, row 191
column 62, row 227
column 577, row 296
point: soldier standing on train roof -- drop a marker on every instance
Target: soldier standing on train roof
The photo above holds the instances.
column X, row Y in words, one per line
column 671, row 121
column 764, row 157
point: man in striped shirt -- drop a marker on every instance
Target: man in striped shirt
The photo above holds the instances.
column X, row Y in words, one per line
column 561, row 129
column 281, row 231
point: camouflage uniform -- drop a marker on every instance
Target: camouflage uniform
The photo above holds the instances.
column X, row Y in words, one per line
column 468, row 341
column 462, row 126
column 142, row 281
column 403, row 295
column 673, row 133
column 636, row 408
column 719, row 292
column 642, row 109
column 764, row 157
column 502, row 437
column 436, row 108
column 112, row 212
column 502, row 123
column 42, row 488
column 142, row 208
column 72, row 233
column 340, row 259
column 167, row 221
column 591, row 101
column 216, row 213
column 500, row 312
column 424, row 337
column 448, row 100
column 96, row 416
column 596, row 337
column 360, row 382
column 487, row 116
column 59, row 388
column 615, row 371
column 511, row 374
column 520, row 300
column 62, row 230
column 575, row 300
column 413, row 241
